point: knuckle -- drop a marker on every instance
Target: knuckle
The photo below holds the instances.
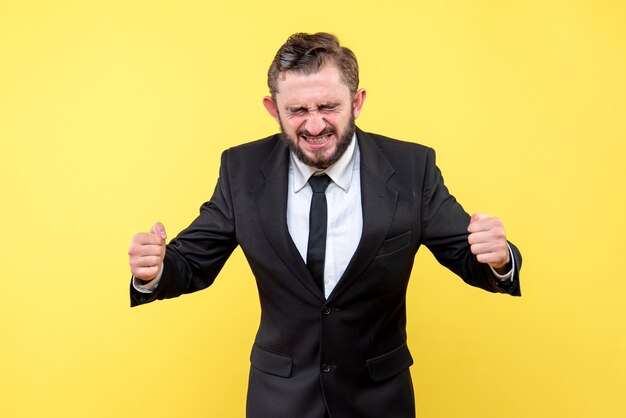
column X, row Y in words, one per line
column 498, row 234
column 133, row 249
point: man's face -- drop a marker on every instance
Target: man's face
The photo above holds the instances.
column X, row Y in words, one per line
column 316, row 113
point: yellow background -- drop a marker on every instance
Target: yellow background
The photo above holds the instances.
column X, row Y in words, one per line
column 113, row 115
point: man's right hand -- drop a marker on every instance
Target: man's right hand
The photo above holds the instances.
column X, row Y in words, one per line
column 146, row 252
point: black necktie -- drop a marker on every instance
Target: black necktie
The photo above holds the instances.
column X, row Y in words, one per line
column 317, row 229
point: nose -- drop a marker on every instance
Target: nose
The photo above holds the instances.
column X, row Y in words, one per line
column 314, row 124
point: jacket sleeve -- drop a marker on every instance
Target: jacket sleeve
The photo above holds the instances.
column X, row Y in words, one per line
column 195, row 257
column 444, row 226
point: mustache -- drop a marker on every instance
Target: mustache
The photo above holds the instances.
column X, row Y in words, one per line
column 327, row 130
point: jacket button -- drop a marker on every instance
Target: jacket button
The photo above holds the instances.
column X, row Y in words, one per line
column 325, row 367
column 326, row 310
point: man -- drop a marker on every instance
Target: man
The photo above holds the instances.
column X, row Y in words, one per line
column 332, row 266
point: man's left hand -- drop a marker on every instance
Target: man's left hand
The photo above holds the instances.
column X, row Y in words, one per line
column 488, row 241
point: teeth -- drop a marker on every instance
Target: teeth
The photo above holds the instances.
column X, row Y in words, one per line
column 317, row 139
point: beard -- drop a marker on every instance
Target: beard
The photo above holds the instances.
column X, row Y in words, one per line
column 318, row 160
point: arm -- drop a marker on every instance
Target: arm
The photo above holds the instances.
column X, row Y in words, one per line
column 193, row 259
column 445, row 229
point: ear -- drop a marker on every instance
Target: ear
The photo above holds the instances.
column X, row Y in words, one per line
column 271, row 107
column 359, row 99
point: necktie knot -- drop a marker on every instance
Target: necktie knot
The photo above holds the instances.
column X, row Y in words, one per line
column 319, row 183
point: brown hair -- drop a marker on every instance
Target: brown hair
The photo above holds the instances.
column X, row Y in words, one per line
column 307, row 54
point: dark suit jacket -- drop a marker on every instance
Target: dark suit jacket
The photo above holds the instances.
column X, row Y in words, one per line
column 347, row 354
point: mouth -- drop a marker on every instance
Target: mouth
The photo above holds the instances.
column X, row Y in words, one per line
column 317, row 140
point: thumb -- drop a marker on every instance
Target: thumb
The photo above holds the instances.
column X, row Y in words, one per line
column 158, row 229
column 479, row 216
column 476, row 217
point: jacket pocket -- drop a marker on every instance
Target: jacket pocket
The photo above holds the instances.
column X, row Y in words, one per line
column 272, row 363
column 393, row 244
column 389, row 364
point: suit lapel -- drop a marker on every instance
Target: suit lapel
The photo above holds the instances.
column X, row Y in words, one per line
column 271, row 198
column 378, row 202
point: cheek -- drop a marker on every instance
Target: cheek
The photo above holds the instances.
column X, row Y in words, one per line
column 292, row 125
column 340, row 122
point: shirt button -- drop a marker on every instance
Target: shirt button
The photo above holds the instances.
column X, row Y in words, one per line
column 325, row 367
column 327, row 310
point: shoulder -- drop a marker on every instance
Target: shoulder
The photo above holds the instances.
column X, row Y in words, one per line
column 393, row 148
column 255, row 152
column 248, row 160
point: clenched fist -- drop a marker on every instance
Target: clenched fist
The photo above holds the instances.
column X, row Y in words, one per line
column 488, row 241
column 146, row 252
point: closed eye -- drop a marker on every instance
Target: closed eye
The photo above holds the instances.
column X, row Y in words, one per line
column 297, row 110
column 328, row 107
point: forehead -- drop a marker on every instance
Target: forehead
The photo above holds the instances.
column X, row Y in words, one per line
column 321, row 86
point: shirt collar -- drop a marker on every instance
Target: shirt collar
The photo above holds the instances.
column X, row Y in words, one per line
column 340, row 172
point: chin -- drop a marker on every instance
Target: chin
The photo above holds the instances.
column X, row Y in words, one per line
column 321, row 155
